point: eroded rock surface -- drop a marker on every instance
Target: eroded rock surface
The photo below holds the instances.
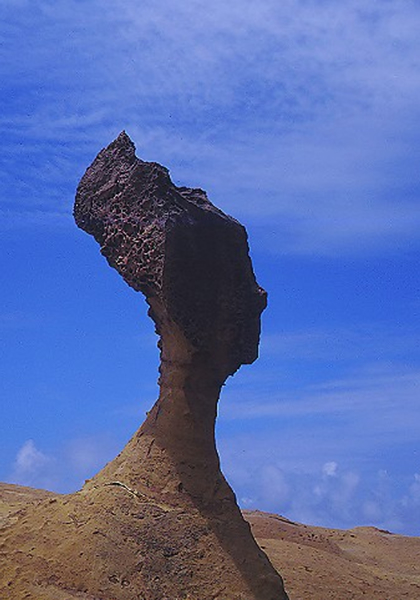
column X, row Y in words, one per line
column 160, row 521
column 189, row 259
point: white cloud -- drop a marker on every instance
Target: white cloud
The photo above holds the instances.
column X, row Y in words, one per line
column 342, row 451
column 372, row 403
column 412, row 499
column 65, row 468
column 273, row 485
column 29, row 458
column 341, row 499
column 297, row 116
column 329, row 469
column 31, row 465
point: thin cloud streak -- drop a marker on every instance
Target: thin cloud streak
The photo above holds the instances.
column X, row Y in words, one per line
column 297, row 134
column 359, row 342
column 378, row 401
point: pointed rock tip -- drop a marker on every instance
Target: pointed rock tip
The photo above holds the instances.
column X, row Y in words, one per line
column 123, row 139
column 121, row 146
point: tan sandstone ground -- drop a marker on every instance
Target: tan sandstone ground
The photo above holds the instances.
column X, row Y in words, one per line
column 364, row 563
column 316, row 563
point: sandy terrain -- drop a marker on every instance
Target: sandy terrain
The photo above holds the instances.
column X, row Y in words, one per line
column 316, row 563
column 331, row 564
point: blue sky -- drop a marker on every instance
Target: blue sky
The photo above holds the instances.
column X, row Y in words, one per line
column 301, row 119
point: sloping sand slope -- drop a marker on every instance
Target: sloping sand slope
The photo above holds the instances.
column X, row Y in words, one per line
column 316, row 563
column 331, row 564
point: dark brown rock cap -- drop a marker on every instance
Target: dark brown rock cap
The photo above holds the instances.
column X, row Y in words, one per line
column 171, row 243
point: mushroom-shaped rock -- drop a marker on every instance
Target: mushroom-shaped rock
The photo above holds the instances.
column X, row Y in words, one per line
column 160, row 522
column 189, row 259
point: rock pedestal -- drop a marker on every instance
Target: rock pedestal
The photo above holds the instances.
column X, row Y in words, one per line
column 160, row 521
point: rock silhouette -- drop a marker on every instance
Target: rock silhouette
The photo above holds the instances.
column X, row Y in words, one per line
column 160, row 521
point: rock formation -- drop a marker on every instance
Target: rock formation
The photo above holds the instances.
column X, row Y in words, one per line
column 160, row 521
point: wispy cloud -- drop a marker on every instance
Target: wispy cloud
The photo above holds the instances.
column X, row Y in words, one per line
column 32, row 467
column 299, row 117
column 341, row 452
column 85, row 456
column 65, row 467
column 376, row 404
column 329, row 496
column 341, row 343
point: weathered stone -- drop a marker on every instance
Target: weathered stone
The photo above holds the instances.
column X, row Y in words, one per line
column 171, row 243
column 160, row 521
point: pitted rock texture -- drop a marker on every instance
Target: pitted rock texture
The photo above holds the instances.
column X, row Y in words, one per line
column 159, row 522
column 171, row 243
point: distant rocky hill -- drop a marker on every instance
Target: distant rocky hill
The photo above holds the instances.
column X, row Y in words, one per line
column 316, row 563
